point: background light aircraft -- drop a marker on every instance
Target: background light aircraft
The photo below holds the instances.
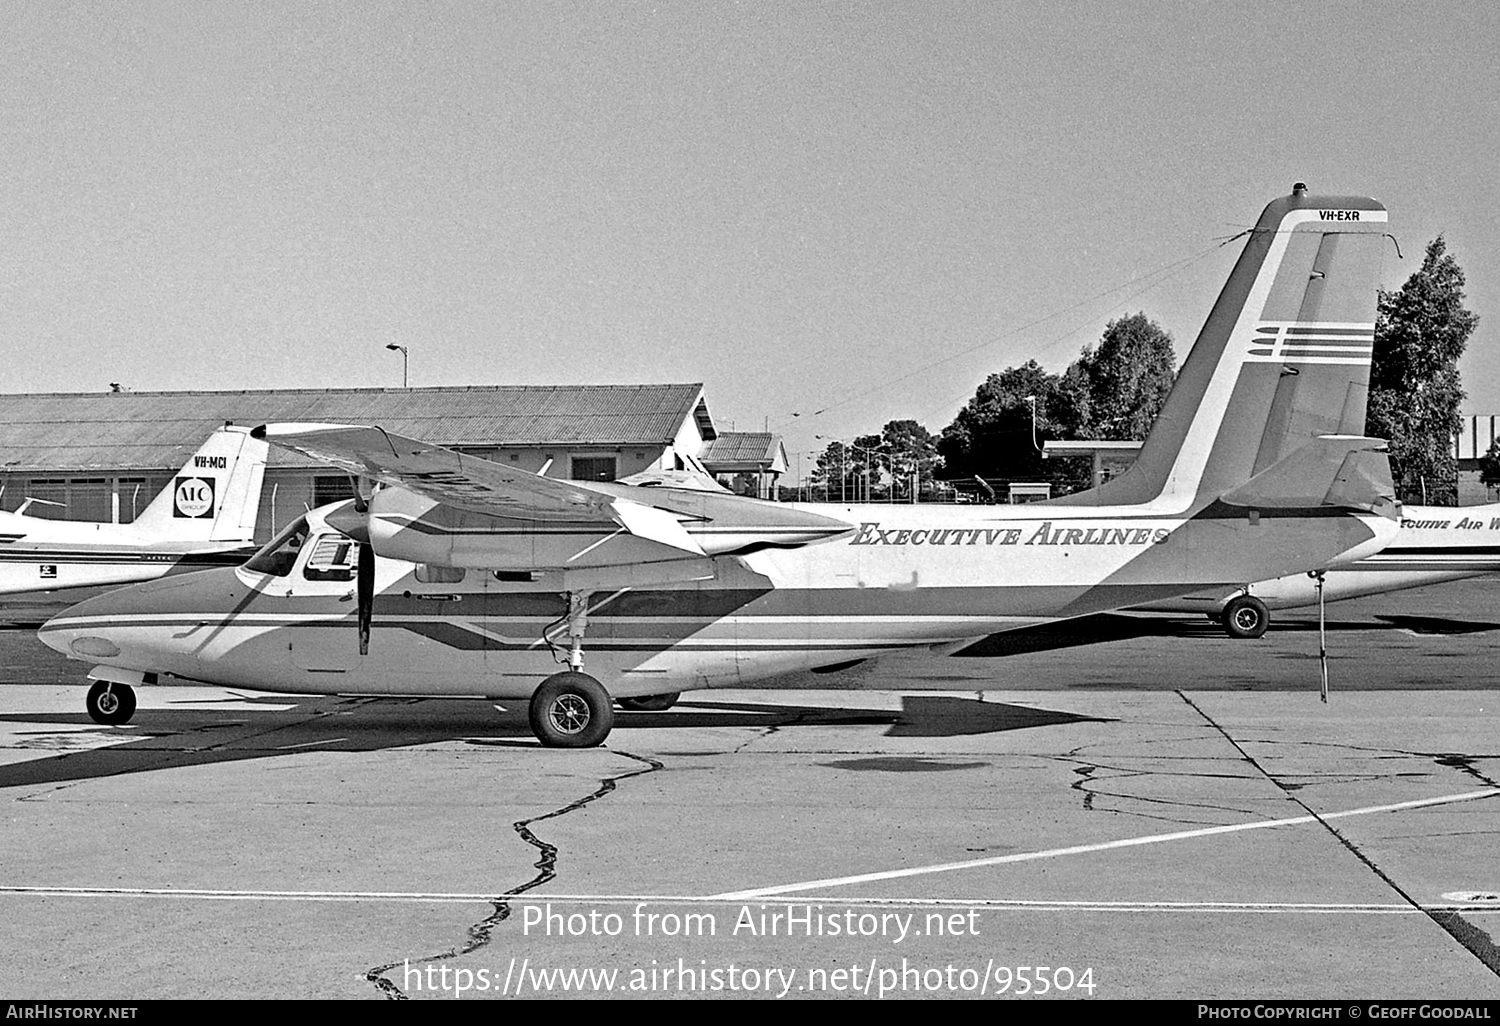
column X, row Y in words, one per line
column 491, row 577
column 1436, row 544
column 204, row 517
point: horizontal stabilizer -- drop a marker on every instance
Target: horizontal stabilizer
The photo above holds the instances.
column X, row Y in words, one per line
column 1345, row 471
column 1364, row 482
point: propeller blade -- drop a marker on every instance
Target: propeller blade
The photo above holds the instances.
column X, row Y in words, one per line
column 365, row 593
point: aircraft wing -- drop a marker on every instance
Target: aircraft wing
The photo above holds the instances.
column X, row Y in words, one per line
column 471, row 483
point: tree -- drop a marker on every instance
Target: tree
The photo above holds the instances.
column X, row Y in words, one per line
column 1113, row 391
column 1420, row 332
column 836, row 473
column 876, row 467
column 1124, row 382
column 1489, row 466
column 910, row 456
column 992, row 435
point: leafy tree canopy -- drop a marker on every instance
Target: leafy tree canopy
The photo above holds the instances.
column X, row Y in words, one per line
column 1420, row 332
column 1489, row 466
column 1126, row 379
column 1113, row 391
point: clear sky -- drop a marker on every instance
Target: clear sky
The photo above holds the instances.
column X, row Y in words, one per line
column 855, row 208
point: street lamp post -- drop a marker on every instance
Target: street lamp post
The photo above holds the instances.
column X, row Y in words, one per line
column 402, row 349
column 1032, row 400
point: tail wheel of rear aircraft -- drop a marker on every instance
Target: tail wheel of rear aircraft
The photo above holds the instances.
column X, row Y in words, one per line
column 111, row 703
column 571, row 710
column 650, row 703
column 1245, row 617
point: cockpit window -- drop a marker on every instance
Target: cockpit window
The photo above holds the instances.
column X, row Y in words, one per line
column 334, row 558
column 279, row 555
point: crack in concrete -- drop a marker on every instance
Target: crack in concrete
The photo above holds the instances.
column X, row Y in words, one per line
column 1461, row 761
column 774, row 728
column 1473, row 940
column 1090, row 780
column 1081, row 785
column 478, row 935
column 1464, row 764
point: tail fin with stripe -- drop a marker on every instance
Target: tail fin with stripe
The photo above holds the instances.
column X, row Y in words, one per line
column 1283, row 359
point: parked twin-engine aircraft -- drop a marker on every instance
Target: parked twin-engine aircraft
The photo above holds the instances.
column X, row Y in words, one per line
column 204, row 517
column 490, row 577
column 1436, row 544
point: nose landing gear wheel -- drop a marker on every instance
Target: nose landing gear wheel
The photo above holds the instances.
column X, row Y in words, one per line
column 571, row 710
column 110, row 703
column 650, row 703
column 1245, row 617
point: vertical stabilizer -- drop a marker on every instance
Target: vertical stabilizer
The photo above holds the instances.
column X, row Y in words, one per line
column 215, row 497
column 1283, row 358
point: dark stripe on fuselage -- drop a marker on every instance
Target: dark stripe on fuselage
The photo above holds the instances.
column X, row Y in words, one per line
column 197, row 560
column 1220, row 510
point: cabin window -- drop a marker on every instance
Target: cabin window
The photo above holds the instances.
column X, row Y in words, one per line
column 437, row 573
column 334, row 557
column 279, row 555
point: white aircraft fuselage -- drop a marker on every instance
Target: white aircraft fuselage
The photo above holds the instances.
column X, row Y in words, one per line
column 900, row 577
column 41, row 556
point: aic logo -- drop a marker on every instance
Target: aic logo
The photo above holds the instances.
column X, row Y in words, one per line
column 193, row 497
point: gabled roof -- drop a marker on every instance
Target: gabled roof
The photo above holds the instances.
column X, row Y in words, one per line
column 734, row 451
column 158, row 430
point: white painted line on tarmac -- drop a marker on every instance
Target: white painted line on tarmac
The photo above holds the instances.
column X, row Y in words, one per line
column 999, row 904
column 1460, row 900
column 1083, row 849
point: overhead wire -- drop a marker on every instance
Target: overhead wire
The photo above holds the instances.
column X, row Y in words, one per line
column 1164, row 273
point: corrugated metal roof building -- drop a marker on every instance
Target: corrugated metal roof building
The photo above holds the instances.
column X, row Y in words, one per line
column 105, row 454
column 748, row 462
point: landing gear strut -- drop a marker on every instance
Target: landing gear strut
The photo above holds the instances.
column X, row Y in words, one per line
column 110, row 703
column 571, row 709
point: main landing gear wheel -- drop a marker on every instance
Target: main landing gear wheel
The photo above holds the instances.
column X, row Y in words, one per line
column 571, row 710
column 111, row 703
column 650, row 703
column 1245, row 617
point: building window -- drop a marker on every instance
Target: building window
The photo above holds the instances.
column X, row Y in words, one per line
column 593, row 468
column 76, row 498
column 329, row 488
column 51, row 495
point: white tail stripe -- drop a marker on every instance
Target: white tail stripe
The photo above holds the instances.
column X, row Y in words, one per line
column 1312, row 342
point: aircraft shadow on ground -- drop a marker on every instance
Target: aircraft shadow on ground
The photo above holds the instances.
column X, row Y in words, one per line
column 1105, row 627
column 166, row 739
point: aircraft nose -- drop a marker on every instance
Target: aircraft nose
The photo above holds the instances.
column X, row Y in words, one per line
column 117, row 627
